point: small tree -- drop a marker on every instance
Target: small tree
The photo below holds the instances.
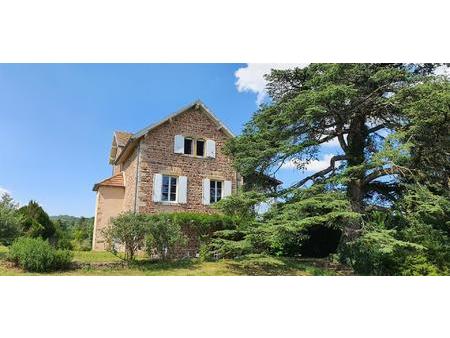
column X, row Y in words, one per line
column 128, row 230
column 164, row 236
column 35, row 222
column 9, row 220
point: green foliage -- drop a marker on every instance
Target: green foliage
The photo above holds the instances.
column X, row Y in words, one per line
column 241, row 206
column 424, row 218
column 197, row 229
column 202, row 225
column 127, row 230
column 299, row 224
column 9, row 220
column 411, row 240
column 74, row 232
column 164, row 236
column 228, row 244
column 427, row 108
column 35, row 222
column 380, row 253
column 351, row 103
column 37, row 255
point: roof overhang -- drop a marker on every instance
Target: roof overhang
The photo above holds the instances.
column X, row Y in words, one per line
column 116, row 180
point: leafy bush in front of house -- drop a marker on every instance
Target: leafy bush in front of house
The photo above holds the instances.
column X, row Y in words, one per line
column 199, row 224
column 164, row 237
column 172, row 233
column 127, row 230
column 37, row 255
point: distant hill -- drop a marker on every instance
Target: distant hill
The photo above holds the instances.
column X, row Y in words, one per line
column 72, row 220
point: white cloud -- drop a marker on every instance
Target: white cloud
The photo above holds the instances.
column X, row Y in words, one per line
column 312, row 166
column 334, row 142
column 442, row 70
column 4, row 191
column 251, row 77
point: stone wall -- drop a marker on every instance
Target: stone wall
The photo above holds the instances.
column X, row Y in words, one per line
column 157, row 156
column 129, row 170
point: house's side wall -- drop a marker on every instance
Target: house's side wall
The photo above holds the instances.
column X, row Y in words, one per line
column 129, row 169
column 157, row 156
column 109, row 204
column 117, row 168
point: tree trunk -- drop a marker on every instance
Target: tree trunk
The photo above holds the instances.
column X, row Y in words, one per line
column 356, row 140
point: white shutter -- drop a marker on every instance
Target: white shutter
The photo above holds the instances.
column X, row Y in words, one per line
column 226, row 189
column 157, row 187
column 205, row 191
column 178, row 144
column 182, row 189
column 211, row 148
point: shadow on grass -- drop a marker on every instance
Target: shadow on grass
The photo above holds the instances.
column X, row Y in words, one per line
column 277, row 266
column 153, row 265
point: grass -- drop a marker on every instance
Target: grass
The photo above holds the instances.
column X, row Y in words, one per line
column 88, row 263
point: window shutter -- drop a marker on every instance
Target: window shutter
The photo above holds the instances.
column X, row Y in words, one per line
column 178, row 144
column 157, row 187
column 211, row 148
column 182, row 189
column 205, row 191
column 226, row 189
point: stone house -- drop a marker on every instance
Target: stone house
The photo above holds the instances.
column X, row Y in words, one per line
column 174, row 165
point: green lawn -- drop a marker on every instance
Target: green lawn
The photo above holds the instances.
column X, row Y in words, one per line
column 105, row 264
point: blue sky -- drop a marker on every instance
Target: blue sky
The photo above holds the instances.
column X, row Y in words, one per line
column 57, row 120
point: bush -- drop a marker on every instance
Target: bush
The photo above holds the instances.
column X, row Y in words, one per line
column 164, row 237
column 380, row 253
column 127, row 230
column 172, row 233
column 37, row 255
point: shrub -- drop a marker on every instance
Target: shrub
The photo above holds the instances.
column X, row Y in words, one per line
column 9, row 220
column 380, row 253
column 37, row 255
column 164, row 237
column 129, row 230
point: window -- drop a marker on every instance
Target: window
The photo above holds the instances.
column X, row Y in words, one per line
column 200, row 149
column 215, row 191
column 169, row 189
column 188, row 146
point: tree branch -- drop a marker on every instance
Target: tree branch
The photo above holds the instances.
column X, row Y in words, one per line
column 381, row 172
column 321, row 173
column 375, row 129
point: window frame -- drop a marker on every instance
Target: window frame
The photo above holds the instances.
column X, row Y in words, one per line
column 193, row 142
column 215, row 182
column 194, row 146
column 204, row 147
column 169, row 190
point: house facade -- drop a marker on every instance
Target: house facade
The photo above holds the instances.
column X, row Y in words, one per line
column 174, row 165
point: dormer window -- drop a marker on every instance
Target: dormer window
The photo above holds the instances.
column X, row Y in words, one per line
column 200, row 148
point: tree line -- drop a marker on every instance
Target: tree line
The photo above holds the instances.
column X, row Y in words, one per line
column 31, row 220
